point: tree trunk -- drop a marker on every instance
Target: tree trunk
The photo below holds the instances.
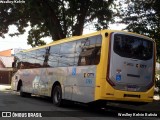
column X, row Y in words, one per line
column 78, row 28
column 52, row 22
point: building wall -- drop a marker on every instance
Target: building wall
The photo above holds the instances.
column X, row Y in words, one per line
column 7, row 61
column 6, row 52
column 5, row 65
column 1, row 64
column 5, row 77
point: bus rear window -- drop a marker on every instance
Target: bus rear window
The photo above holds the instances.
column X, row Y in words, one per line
column 133, row 47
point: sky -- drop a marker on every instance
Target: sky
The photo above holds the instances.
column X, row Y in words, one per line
column 20, row 41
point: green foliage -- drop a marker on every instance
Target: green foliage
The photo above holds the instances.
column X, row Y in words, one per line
column 55, row 18
column 143, row 16
column 158, row 83
column 158, row 72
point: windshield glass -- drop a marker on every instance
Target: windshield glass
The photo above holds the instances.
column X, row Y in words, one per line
column 133, row 47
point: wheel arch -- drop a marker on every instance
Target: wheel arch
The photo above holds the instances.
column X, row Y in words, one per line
column 19, row 85
column 54, row 85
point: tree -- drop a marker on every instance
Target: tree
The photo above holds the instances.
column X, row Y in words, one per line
column 56, row 18
column 143, row 16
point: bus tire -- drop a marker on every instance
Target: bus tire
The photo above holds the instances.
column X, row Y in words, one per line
column 57, row 96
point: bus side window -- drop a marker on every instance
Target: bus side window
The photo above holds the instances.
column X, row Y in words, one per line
column 90, row 57
column 67, row 53
column 89, row 51
column 97, row 51
column 97, row 55
column 40, row 53
column 83, row 52
column 54, row 55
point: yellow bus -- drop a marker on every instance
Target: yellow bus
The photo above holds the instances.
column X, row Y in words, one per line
column 103, row 66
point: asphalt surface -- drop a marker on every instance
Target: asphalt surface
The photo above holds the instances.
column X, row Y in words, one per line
column 12, row 102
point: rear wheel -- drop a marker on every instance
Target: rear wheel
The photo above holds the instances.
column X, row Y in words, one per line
column 57, row 96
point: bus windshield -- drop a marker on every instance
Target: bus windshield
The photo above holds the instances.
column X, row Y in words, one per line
column 133, row 47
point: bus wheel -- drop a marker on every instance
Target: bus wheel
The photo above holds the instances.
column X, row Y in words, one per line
column 57, row 96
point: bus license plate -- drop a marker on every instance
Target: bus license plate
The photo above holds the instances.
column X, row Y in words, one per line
column 132, row 88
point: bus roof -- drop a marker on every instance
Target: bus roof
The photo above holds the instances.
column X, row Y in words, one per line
column 83, row 36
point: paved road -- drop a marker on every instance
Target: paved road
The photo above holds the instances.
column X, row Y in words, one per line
column 12, row 102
